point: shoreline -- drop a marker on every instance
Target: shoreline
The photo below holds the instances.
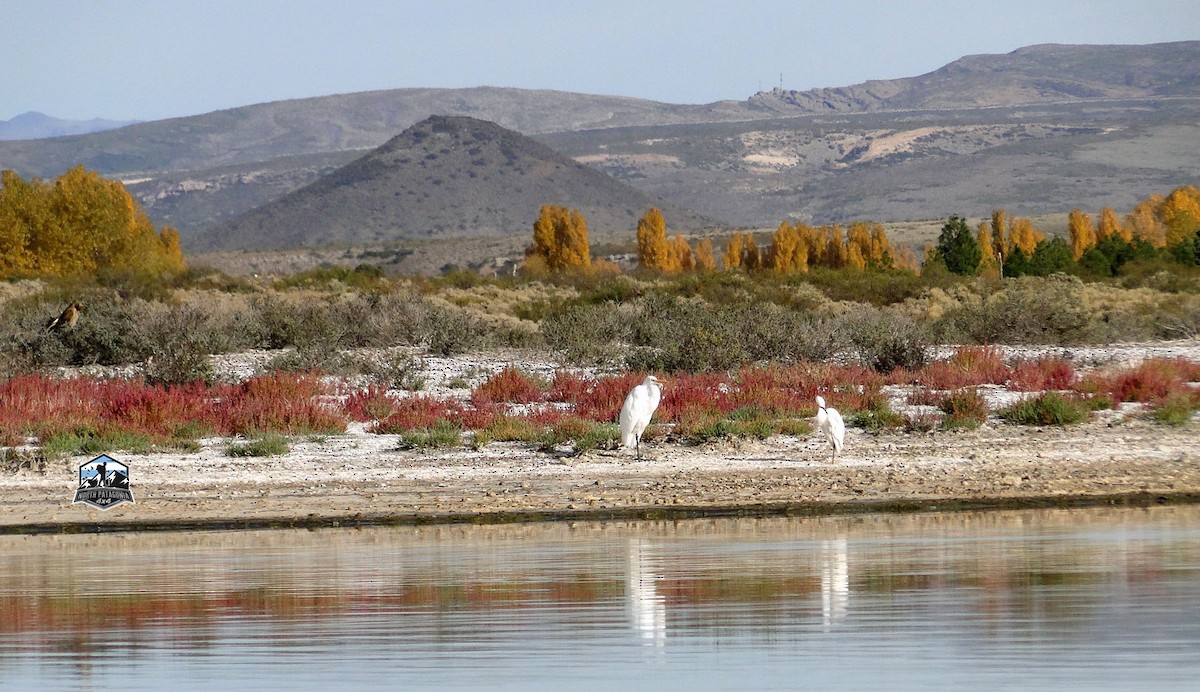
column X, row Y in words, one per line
column 360, row 479
column 673, row 513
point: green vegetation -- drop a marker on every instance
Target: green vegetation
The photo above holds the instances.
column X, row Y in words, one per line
column 1050, row 408
column 266, row 446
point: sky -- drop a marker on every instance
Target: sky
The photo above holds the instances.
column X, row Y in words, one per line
column 154, row 59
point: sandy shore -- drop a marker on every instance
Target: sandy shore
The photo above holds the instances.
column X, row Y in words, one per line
column 363, row 478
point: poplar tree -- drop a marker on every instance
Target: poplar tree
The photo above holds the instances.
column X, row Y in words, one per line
column 560, row 239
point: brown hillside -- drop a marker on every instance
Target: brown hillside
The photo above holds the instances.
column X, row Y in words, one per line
column 445, row 176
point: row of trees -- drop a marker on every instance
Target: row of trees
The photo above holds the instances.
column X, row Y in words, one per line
column 560, row 242
column 78, row 224
column 1158, row 226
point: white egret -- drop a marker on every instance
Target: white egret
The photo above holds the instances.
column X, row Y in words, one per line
column 831, row 425
column 640, row 405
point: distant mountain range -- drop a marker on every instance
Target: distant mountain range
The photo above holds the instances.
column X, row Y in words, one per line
column 34, row 125
column 1042, row 129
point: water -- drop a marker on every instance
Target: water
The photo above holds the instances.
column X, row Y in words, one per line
column 1048, row 599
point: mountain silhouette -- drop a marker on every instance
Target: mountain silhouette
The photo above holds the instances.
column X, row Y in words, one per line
column 446, row 176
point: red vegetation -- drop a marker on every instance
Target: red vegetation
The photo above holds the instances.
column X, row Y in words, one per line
column 1151, row 380
column 507, row 386
column 1045, row 373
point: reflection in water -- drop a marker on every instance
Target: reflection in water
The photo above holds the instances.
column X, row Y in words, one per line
column 647, row 608
column 1083, row 598
column 835, row 581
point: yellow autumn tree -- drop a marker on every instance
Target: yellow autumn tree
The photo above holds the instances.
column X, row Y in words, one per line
column 560, row 239
column 79, row 224
column 1109, row 225
column 733, row 251
column 680, row 254
column 1144, row 223
column 1180, row 214
column 1023, row 235
column 1079, row 228
column 1001, row 226
column 752, row 258
column 987, row 251
column 787, row 253
column 654, row 252
column 704, row 256
column 881, row 255
column 858, row 246
column 835, row 253
column 18, row 214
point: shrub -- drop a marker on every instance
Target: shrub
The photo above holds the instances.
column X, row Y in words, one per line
column 584, row 334
column 441, row 434
column 506, row 428
column 965, row 409
column 583, row 434
column 672, row 334
column 1047, row 372
column 920, row 422
column 447, row 331
column 1152, row 379
column 372, row 403
column 416, row 413
column 877, row 415
column 281, row 402
column 1176, row 408
column 265, row 446
column 968, row 366
column 181, row 340
column 784, row 335
column 82, row 440
column 887, row 340
column 1049, row 408
column 1027, row 310
column 509, row 386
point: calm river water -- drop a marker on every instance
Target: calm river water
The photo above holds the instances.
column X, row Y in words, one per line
column 1046, row 599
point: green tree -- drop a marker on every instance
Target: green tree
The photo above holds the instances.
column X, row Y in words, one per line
column 958, row 247
column 1051, row 256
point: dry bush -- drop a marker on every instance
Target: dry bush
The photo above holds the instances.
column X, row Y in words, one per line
column 887, row 339
column 586, row 334
column 1030, row 310
column 783, row 335
column 673, row 334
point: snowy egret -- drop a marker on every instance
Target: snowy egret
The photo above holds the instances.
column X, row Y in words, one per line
column 832, row 426
column 639, row 407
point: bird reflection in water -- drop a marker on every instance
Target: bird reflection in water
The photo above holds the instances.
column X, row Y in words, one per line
column 835, row 582
column 647, row 607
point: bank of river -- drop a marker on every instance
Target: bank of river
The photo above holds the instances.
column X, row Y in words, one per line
column 362, row 478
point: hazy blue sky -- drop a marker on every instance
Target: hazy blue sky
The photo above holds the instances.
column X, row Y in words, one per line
column 144, row 59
